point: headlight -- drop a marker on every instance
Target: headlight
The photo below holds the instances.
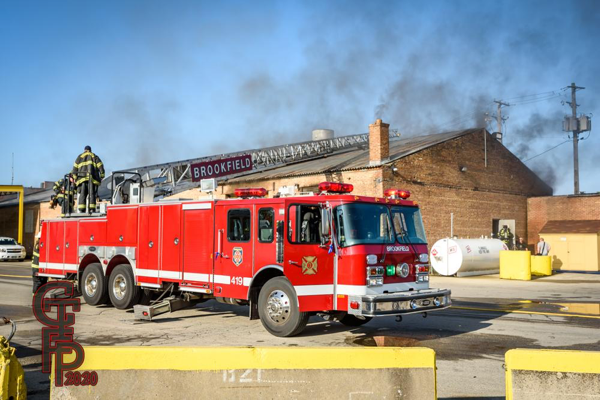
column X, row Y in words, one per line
column 2, row 250
column 424, row 258
column 402, row 270
column 371, row 259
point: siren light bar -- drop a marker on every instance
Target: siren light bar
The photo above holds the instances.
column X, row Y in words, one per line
column 335, row 187
column 397, row 193
column 250, row 192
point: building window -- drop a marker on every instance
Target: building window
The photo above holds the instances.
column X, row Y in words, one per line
column 238, row 225
column 304, row 224
column 266, row 219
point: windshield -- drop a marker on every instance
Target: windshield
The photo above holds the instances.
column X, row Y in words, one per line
column 7, row 242
column 361, row 223
column 408, row 225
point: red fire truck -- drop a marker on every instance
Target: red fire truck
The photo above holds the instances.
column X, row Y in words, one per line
column 342, row 256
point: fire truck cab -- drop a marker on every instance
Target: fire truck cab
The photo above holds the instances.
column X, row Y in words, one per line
column 343, row 256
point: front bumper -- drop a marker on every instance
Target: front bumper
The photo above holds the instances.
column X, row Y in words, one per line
column 400, row 303
column 12, row 256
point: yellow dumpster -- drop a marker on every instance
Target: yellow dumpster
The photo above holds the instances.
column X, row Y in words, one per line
column 541, row 265
column 515, row 265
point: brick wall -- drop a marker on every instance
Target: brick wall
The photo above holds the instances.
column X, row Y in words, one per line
column 543, row 209
column 475, row 196
column 379, row 142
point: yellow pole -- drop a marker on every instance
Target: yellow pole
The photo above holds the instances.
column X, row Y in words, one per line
column 17, row 189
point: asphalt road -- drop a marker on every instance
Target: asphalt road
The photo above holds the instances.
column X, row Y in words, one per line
column 489, row 317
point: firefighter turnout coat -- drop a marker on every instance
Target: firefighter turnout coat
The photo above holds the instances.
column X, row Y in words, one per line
column 88, row 166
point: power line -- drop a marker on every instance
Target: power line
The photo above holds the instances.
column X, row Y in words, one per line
column 532, row 95
column 544, row 152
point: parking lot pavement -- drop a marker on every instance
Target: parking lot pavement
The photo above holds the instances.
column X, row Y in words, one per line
column 489, row 317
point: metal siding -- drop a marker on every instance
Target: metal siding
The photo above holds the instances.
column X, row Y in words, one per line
column 149, row 232
column 170, row 251
column 122, row 222
column 198, row 240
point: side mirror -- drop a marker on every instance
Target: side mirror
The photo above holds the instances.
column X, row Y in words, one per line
column 325, row 226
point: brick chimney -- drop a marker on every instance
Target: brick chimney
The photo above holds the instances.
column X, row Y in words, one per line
column 379, row 142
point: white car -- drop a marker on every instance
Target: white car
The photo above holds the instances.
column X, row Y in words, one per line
column 11, row 250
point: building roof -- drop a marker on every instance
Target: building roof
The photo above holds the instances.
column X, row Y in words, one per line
column 569, row 226
column 37, row 197
column 352, row 159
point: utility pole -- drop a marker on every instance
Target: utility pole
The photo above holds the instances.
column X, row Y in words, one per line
column 12, row 176
column 576, row 132
column 499, row 118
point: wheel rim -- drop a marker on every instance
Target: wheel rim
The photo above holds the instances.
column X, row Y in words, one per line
column 91, row 284
column 120, row 287
column 278, row 307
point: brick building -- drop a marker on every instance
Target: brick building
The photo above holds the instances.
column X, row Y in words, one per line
column 541, row 210
column 467, row 174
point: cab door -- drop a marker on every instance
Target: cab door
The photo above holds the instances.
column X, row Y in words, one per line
column 308, row 265
column 268, row 247
column 235, row 226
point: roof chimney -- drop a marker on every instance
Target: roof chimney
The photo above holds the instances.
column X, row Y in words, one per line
column 379, row 142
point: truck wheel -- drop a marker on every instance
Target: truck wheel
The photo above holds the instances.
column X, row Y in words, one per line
column 354, row 320
column 278, row 308
column 123, row 291
column 93, row 285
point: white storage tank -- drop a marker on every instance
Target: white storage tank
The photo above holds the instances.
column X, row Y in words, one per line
column 466, row 257
column 322, row 134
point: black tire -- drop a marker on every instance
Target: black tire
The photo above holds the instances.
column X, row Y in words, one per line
column 122, row 290
column 93, row 285
column 278, row 308
column 353, row 320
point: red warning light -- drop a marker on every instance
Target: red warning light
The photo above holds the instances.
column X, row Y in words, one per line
column 335, row 187
column 395, row 193
column 250, row 192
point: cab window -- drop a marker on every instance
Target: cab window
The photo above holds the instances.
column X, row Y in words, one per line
column 304, row 224
column 238, row 225
column 266, row 218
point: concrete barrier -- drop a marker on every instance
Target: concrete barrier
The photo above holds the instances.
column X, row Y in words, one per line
column 515, row 265
column 255, row 373
column 552, row 374
column 541, row 265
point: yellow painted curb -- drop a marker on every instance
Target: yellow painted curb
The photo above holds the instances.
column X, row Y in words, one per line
column 587, row 362
column 219, row 358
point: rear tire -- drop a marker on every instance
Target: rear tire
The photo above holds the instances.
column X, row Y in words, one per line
column 93, row 285
column 123, row 291
column 278, row 308
column 353, row 320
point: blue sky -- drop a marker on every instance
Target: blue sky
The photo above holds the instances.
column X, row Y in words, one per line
column 155, row 81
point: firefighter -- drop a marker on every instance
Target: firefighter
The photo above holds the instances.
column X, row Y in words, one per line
column 38, row 281
column 87, row 173
column 521, row 245
column 506, row 236
column 61, row 194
